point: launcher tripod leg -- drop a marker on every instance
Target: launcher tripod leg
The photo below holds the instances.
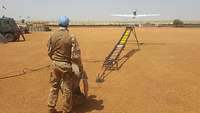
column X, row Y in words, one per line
column 111, row 62
column 100, row 76
column 135, row 35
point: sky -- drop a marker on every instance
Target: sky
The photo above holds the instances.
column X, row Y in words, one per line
column 100, row 10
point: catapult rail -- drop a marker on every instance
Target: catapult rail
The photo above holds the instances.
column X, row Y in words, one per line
column 111, row 61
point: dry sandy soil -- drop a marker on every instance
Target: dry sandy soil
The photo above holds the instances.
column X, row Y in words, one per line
column 162, row 77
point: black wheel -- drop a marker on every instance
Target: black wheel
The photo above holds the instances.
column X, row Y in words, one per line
column 22, row 30
column 3, row 39
column 10, row 37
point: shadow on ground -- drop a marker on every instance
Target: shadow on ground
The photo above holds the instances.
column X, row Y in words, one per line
column 127, row 56
column 121, row 61
column 91, row 104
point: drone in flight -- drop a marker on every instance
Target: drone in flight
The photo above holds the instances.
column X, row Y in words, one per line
column 135, row 15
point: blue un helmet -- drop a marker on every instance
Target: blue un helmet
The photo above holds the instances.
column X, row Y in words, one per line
column 63, row 21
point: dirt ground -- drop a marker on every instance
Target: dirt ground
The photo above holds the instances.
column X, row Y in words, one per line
column 162, row 77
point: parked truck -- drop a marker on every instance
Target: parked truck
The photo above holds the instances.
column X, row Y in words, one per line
column 9, row 30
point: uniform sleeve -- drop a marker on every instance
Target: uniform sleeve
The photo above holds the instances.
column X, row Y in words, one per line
column 76, row 53
column 84, row 75
column 49, row 46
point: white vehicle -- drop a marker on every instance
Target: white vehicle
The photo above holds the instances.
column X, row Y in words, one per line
column 135, row 15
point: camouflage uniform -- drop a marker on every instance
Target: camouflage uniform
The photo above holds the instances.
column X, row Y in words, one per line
column 78, row 97
column 62, row 49
column 79, row 73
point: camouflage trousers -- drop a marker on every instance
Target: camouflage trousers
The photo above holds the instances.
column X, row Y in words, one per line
column 78, row 96
column 61, row 79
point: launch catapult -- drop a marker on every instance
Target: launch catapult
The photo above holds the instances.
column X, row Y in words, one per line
column 111, row 61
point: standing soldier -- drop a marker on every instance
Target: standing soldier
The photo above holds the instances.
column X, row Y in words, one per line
column 61, row 50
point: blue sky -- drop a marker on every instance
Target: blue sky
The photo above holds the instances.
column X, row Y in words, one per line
column 100, row 10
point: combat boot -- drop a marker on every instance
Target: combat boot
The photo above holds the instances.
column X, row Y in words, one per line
column 52, row 110
column 67, row 112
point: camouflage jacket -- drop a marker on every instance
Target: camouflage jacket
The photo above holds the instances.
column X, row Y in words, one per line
column 63, row 47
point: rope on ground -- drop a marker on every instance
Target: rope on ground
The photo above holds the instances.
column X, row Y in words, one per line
column 30, row 70
column 23, row 72
column 92, row 60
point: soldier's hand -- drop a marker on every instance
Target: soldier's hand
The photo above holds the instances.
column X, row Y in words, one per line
column 86, row 95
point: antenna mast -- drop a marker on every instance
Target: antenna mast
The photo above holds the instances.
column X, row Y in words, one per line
column 3, row 6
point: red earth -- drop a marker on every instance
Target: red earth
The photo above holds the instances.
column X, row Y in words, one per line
column 162, row 77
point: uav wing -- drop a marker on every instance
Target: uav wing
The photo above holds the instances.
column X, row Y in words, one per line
column 120, row 15
column 147, row 15
column 135, row 16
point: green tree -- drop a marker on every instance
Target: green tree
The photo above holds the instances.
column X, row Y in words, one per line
column 178, row 23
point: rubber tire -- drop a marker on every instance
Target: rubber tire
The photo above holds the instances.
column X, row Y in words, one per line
column 3, row 39
column 22, row 30
column 10, row 37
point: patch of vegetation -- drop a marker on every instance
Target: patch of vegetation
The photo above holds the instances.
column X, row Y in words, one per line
column 178, row 23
